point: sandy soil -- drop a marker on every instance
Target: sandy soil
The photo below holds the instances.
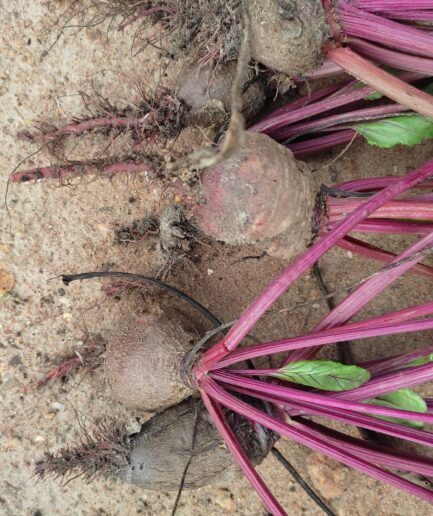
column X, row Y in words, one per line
column 50, row 229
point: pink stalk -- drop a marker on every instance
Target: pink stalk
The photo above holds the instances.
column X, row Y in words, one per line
column 370, row 451
column 382, row 81
column 80, row 169
column 401, row 209
column 283, row 118
column 391, row 5
column 327, row 69
column 341, row 400
column 393, row 227
column 386, row 365
column 236, row 449
column 308, row 99
column 308, row 147
column 268, row 297
column 321, row 445
column 385, row 32
column 375, row 253
column 375, row 183
column 367, row 291
column 389, row 382
column 391, row 58
column 351, row 418
column 348, row 332
column 415, row 16
column 360, row 115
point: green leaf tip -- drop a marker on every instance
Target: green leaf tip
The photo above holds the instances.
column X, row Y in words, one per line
column 326, row 375
column 399, row 130
column 403, row 399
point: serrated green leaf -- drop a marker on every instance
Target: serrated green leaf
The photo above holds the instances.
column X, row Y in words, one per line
column 324, row 374
column 403, row 399
column 400, row 130
column 420, row 361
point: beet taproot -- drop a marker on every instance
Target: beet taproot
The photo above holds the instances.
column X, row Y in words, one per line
column 155, row 457
column 288, row 35
column 207, row 91
column 143, row 360
column 260, row 194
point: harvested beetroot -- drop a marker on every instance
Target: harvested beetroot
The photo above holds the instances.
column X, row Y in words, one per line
column 288, row 35
column 142, row 361
column 156, row 457
column 207, row 91
column 260, row 192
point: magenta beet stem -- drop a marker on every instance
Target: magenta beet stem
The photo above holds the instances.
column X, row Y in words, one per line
column 393, row 227
column 321, row 445
column 377, row 454
column 401, row 209
column 386, row 32
column 293, row 407
column 389, row 382
column 283, row 118
column 375, row 253
column 389, row 85
column 392, row 58
column 236, row 449
column 375, row 183
column 367, row 291
column 392, row 5
column 414, row 16
column 344, row 333
column 327, row 69
column 336, row 400
column 268, row 297
column 360, row 115
column 386, row 365
column 322, row 143
column 308, row 99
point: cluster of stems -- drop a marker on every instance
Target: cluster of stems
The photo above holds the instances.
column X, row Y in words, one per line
column 368, row 34
column 220, row 385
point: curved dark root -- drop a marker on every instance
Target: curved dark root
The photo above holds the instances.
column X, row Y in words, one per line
column 101, row 453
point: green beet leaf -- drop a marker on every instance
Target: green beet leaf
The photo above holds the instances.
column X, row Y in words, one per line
column 399, row 130
column 420, row 361
column 403, row 399
column 324, row 374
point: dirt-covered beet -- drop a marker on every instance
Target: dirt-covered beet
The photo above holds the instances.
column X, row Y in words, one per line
column 161, row 450
column 260, row 194
column 207, row 91
column 155, row 457
column 288, row 35
column 142, row 361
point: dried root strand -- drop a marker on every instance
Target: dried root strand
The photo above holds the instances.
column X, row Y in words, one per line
column 101, row 453
column 89, row 357
column 83, row 168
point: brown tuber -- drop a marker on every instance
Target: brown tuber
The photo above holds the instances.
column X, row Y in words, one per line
column 259, row 194
column 156, row 457
column 207, row 91
column 288, row 35
column 143, row 358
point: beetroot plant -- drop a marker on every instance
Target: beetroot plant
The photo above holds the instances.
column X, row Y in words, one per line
column 372, row 395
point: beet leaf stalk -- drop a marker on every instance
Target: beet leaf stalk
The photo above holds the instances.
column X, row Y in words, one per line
column 375, row 396
column 366, row 37
column 339, row 114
